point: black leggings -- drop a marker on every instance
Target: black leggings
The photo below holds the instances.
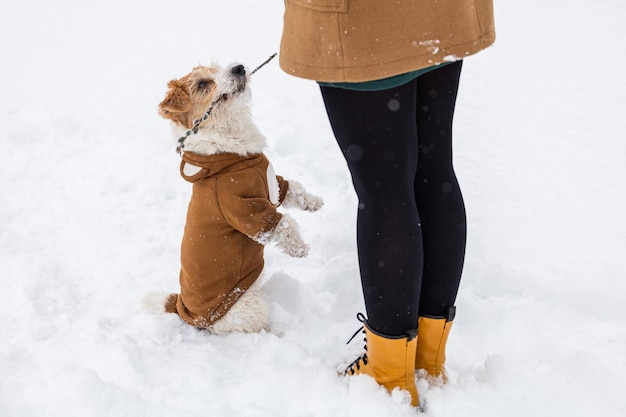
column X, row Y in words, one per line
column 411, row 228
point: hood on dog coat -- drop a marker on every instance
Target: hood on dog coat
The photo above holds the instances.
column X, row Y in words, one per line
column 234, row 200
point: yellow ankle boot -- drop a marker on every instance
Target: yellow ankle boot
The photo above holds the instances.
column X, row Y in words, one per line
column 430, row 352
column 389, row 360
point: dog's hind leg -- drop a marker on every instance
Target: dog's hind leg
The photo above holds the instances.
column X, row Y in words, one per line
column 249, row 314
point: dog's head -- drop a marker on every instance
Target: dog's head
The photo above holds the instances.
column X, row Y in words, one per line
column 189, row 97
column 229, row 127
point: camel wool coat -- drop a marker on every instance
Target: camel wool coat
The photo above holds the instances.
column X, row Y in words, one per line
column 365, row 40
column 233, row 201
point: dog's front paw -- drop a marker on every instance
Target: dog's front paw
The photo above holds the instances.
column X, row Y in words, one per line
column 300, row 250
column 297, row 196
column 311, row 202
column 288, row 239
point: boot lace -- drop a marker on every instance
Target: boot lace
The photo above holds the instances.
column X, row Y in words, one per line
column 356, row 364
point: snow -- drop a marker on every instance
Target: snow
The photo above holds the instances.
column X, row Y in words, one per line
column 93, row 206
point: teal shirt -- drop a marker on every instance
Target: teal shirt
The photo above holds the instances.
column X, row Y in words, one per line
column 384, row 83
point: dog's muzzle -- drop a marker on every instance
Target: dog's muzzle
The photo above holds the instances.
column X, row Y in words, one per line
column 238, row 74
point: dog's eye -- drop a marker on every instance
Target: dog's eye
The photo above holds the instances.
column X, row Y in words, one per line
column 204, row 84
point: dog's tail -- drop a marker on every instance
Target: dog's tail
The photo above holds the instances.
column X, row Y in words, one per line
column 157, row 303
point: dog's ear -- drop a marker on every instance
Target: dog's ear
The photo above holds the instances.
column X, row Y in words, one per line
column 177, row 104
column 176, row 101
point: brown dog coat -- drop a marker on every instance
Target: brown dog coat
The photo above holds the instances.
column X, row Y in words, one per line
column 233, row 204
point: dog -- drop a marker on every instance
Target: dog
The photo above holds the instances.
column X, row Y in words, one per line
column 232, row 214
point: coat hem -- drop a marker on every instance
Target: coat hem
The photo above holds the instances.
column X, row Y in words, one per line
column 342, row 73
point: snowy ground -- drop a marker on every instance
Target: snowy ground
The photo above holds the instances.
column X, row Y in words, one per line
column 92, row 209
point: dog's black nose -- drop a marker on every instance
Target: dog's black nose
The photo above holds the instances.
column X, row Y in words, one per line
column 238, row 70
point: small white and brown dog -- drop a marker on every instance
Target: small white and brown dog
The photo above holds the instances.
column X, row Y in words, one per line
column 232, row 213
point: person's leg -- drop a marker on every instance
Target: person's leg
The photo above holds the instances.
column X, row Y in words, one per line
column 437, row 191
column 442, row 213
column 377, row 133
